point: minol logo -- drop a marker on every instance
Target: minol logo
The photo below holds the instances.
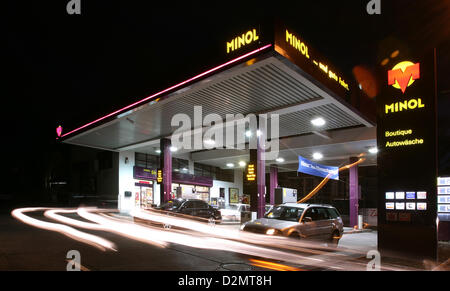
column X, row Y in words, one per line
column 403, row 75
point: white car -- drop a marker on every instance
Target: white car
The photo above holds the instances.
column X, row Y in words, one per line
column 232, row 212
column 308, row 221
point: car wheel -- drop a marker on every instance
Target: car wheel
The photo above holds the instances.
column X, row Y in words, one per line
column 212, row 221
column 295, row 235
column 334, row 240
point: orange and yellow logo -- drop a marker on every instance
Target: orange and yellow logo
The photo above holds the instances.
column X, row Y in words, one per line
column 403, row 75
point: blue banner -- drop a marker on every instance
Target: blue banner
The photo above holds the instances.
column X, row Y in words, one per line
column 315, row 169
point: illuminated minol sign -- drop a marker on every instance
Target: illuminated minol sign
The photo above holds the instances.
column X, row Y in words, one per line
column 407, row 158
column 403, row 75
column 240, row 41
column 404, row 105
column 159, row 176
column 251, row 175
column 295, row 42
column 292, row 46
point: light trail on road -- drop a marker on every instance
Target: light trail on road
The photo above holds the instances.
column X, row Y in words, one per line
column 247, row 237
column 191, row 234
column 68, row 231
column 273, row 266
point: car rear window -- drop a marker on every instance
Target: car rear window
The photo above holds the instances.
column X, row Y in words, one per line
column 173, row 203
column 189, row 204
column 318, row 213
column 200, row 204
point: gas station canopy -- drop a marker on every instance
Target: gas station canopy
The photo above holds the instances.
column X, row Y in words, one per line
column 263, row 81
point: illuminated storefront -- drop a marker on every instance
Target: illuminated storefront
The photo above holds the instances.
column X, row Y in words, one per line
column 189, row 186
column 144, row 194
column 144, row 187
column 184, row 185
column 191, row 192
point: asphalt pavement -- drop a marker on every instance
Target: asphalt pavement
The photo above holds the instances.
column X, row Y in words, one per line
column 27, row 248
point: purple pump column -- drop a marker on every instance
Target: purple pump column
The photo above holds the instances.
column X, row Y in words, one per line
column 354, row 193
column 273, row 183
column 261, row 180
column 166, row 165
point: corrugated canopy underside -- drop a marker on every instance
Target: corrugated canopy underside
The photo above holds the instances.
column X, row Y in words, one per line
column 265, row 86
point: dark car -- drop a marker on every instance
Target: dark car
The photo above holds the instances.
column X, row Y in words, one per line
column 193, row 208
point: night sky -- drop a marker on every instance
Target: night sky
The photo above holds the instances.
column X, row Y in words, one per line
column 67, row 70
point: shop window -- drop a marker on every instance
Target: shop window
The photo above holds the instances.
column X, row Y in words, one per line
column 226, row 175
column 146, row 161
column 215, row 173
column 203, row 170
column 198, row 170
column 180, row 165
